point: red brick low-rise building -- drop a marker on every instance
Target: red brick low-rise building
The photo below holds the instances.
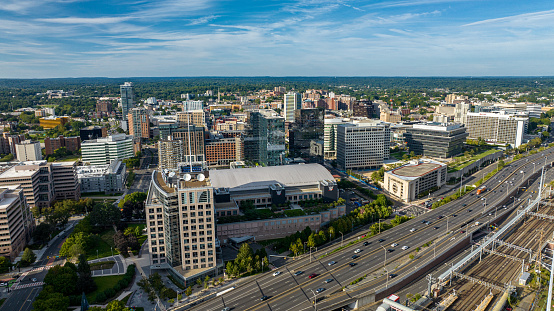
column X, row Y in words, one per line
column 70, row 143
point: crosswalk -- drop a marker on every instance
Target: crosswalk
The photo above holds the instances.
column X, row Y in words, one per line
column 27, row 285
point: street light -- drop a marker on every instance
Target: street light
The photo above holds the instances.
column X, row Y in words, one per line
column 522, row 176
column 315, row 298
column 341, row 238
column 385, row 262
column 484, row 204
column 111, row 248
column 387, row 276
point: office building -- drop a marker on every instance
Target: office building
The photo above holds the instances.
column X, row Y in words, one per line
column 330, row 137
column 390, row 117
column 127, row 99
column 181, row 223
column 363, row 145
column 170, row 153
column 93, row 132
column 221, row 152
column 363, row 108
column 190, row 105
column 497, row 127
column 418, row 176
column 193, row 140
column 139, row 123
column 293, row 101
column 460, row 112
column 452, row 99
column 438, row 140
column 265, row 138
column 194, row 117
column 8, row 142
column 103, row 107
column 43, row 182
column 28, row 151
column 307, row 128
column 17, row 222
column 51, row 122
column 109, row 178
column 72, row 144
column 104, row 150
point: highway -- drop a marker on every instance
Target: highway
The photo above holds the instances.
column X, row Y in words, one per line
column 22, row 299
column 290, row 292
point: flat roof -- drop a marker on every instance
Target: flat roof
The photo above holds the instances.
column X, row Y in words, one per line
column 415, row 170
column 12, row 173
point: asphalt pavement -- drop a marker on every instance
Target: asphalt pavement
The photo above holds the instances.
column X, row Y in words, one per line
column 294, row 292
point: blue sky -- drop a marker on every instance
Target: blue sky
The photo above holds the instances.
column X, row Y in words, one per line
column 126, row 38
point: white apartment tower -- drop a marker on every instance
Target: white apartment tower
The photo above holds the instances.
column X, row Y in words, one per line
column 499, row 128
column 293, row 101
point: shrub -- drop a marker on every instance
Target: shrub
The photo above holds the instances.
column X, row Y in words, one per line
column 100, row 297
column 110, row 292
column 117, row 287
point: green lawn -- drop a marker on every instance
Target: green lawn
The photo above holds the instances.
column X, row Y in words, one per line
column 103, row 283
column 103, row 245
column 398, row 155
column 99, row 194
column 460, row 165
column 71, row 158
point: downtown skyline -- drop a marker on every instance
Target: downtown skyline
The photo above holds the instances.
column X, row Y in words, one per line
column 72, row 38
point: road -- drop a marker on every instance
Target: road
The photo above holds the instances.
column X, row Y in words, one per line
column 290, row 292
column 22, row 299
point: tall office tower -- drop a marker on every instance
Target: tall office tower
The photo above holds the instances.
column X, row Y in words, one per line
column 307, row 128
column 500, row 128
column 181, row 222
column 170, row 153
column 330, row 137
column 190, row 105
column 28, row 151
column 363, row 108
column 460, row 112
column 196, row 117
column 437, row 140
column 139, row 123
column 104, row 150
column 293, row 101
column 127, row 99
column 193, row 141
column 363, row 145
column 265, row 139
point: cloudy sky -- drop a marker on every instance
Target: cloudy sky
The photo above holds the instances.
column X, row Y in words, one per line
column 147, row 38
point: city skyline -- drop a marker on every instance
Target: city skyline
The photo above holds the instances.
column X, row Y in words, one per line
column 73, row 38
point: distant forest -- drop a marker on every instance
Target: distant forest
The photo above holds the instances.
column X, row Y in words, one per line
column 19, row 93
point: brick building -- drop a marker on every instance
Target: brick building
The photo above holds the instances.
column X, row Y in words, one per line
column 70, row 143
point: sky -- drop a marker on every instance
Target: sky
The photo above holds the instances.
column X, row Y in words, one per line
column 181, row 38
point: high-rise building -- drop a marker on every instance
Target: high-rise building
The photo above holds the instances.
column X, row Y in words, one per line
column 93, row 132
column 104, row 150
column 221, row 152
column 363, row 108
column 17, row 221
column 43, row 182
column 363, row 145
column 452, row 99
column 8, row 142
column 193, row 140
column 190, row 105
column 307, row 127
column 460, row 112
column 437, row 140
column 70, row 143
column 181, row 223
column 330, row 137
column 28, row 151
column 293, row 101
column 196, row 117
column 499, row 128
column 107, row 178
column 139, row 123
column 170, row 153
column 127, row 99
column 391, row 117
column 265, row 139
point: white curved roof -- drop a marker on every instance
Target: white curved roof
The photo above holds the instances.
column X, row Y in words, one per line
column 262, row 177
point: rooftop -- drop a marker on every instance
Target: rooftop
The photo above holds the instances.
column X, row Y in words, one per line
column 263, row 177
column 415, row 169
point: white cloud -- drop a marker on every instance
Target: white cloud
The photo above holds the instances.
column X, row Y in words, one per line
column 85, row 20
column 528, row 20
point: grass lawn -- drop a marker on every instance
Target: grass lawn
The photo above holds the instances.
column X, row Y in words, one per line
column 398, row 155
column 103, row 283
column 103, row 246
column 69, row 158
column 99, row 194
column 460, row 165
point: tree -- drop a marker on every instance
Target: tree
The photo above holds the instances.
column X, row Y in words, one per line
column 105, row 215
column 62, row 279
column 116, row 305
column 42, row 233
column 120, row 241
column 199, row 282
column 52, row 301
column 311, row 240
column 188, row 291
column 28, row 256
column 206, row 282
column 85, row 282
column 5, row 264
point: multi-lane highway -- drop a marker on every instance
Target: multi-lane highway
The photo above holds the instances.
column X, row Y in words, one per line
column 288, row 291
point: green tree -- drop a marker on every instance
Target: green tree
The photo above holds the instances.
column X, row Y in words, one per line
column 85, row 282
column 63, row 280
column 105, row 215
column 28, row 256
column 188, row 291
column 5, row 264
column 311, row 240
column 52, row 301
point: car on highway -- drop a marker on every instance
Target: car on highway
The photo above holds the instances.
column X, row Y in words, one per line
column 390, row 250
column 381, row 240
column 405, row 247
column 276, row 273
column 34, row 279
column 355, row 256
column 264, row 297
column 392, row 275
column 412, row 230
column 297, row 273
column 440, row 217
column 319, row 290
column 366, row 243
column 226, row 309
column 357, row 251
column 454, row 215
column 3, row 284
column 435, row 228
column 328, row 281
column 464, row 205
column 311, row 276
column 352, row 264
column 469, row 210
column 331, row 263
column 462, row 231
column 394, row 245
